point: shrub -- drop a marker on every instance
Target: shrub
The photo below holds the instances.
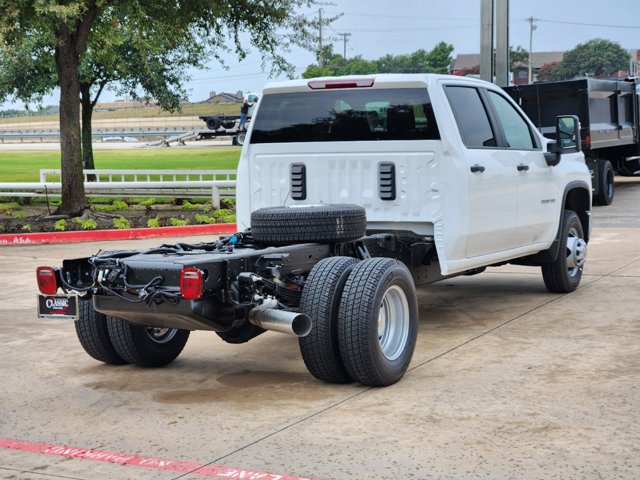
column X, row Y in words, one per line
column 120, row 205
column 153, row 222
column 176, row 222
column 227, row 219
column 221, row 212
column 26, row 228
column 204, row 219
column 186, row 205
column 105, row 208
column 121, row 223
column 20, row 215
column 86, row 224
column 60, row 225
column 147, row 202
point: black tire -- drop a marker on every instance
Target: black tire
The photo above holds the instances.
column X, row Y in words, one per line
column 606, row 185
column 317, row 223
column 241, row 334
column 321, row 300
column 240, row 137
column 213, row 123
column 378, row 321
column 229, row 124
column 564, row 274
column 91, row 328
column 146, row 347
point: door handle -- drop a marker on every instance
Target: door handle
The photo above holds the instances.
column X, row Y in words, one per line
column 477, row 168
column 523, row 168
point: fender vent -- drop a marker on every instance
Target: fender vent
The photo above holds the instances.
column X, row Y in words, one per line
column 298, row 181
column 387, row 181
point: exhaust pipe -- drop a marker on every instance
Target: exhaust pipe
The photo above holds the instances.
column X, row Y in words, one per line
column 282, row 321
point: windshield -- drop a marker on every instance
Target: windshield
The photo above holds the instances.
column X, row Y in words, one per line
column 345, row 115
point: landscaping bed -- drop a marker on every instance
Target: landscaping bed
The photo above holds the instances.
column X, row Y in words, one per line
column 35, row 216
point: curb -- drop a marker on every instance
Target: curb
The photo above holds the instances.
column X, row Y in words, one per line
column 107, row 235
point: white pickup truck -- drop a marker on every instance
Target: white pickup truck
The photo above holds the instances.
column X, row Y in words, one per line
column 351, row 193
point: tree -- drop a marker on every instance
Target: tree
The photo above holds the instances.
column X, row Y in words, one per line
column 435, row 61
column 518, row 57
column 72, row 35
column 595, row 58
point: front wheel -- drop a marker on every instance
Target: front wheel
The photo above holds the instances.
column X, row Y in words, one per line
column 146, row 346
column 378, row 321
column 564, row 274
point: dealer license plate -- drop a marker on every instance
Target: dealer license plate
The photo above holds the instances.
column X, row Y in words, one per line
column 58, row 306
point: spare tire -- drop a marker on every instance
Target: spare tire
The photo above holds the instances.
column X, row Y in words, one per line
column 213, row 123
column 308, row 224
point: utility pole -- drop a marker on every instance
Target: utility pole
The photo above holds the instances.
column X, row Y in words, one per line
column 487, row 69
column 532, row 27
column 344, row 36
column 320, row 55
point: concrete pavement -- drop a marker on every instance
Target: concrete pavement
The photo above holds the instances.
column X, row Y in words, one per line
column 507, row 381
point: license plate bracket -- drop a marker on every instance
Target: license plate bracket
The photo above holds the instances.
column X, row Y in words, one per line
column 61, row 307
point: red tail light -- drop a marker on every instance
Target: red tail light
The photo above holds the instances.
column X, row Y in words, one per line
column 587, row 139
column 47, row 283
column 341, row 83
column 191, row 283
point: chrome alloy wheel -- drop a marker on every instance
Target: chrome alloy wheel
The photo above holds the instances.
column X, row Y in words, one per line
column 393, row 322
column 576, row 252
column 161, row 335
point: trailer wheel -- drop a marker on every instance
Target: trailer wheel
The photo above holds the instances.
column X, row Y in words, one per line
column 314, row 223
column 564, row 274
column 91, row 329
column 213, row 123
column 378, row 321
column 146, row 346
column 240, row 137
column 321, row 300
column 606, row 185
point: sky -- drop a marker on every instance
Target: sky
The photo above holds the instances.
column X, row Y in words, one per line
column 380, row 27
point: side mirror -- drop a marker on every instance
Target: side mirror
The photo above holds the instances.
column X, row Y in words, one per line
column 568, row 134
column 567, row 139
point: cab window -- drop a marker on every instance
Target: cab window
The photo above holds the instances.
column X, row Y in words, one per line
column 471, row 117
column 516, row 130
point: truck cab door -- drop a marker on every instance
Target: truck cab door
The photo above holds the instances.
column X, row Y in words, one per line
column 538, row 190
column 492, row 175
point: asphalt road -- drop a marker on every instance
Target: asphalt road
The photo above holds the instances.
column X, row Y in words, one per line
column 507, row 381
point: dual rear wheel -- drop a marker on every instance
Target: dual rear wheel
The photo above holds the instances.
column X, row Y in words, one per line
column 116, row 342
column 365, row 318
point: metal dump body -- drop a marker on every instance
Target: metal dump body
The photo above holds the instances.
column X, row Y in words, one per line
column 608, row 109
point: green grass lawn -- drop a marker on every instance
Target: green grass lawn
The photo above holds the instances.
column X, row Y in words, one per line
column 24, row 166
column 147, row 112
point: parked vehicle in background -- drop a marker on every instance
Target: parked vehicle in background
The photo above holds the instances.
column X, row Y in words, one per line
column 227, row 125
column 609, row 113
column 351, row 192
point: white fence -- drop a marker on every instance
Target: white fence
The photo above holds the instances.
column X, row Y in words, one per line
column 216, row 184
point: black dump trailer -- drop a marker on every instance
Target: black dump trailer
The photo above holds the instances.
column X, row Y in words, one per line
column 609, row 116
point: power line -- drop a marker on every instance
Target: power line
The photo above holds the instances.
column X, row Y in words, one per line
column 584, row 24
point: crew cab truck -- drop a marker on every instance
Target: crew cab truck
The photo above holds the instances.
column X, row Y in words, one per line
column 609, row 114
column 351, row 193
